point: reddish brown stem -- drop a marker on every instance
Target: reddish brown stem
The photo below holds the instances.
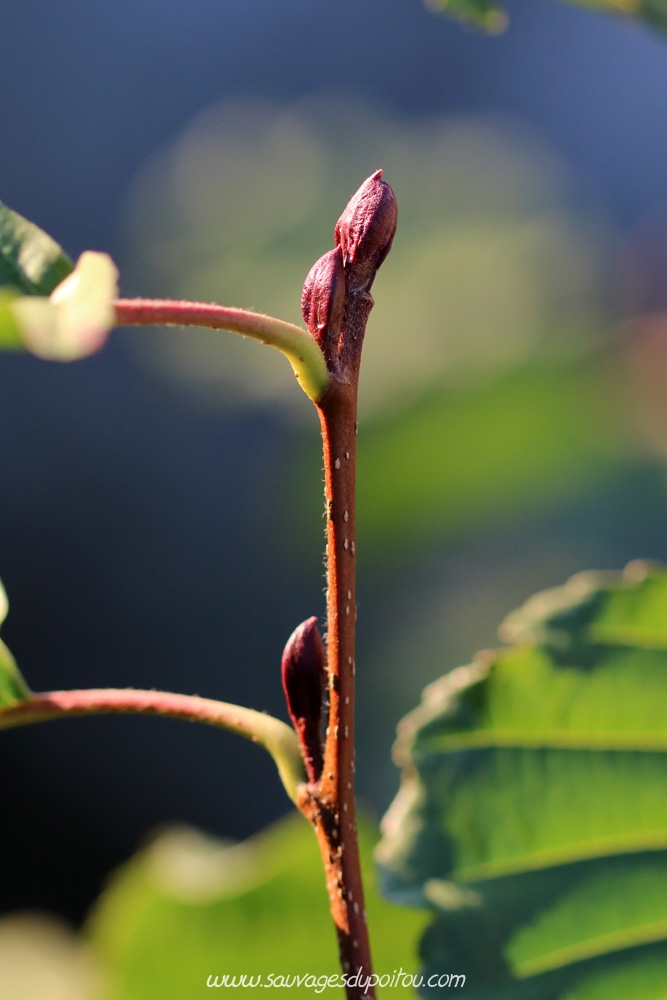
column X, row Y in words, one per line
column 337, row 830
column 330, row 806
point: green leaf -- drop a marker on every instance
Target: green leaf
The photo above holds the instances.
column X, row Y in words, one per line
column 481, row 453
column 190, row 906
column 653, row 12
column 31, row 262
column 10, row 334
column 532, row 816
column 12, row 686
column 492, row 17
column 479, row 13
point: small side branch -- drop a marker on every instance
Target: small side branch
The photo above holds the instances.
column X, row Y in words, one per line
column 299, row 348
column 277, row 738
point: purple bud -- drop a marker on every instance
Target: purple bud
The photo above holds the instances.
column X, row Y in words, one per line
column 304, row 680
column 323, row 297
column 366, row 228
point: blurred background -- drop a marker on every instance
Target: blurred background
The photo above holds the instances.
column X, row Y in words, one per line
column 160, row 509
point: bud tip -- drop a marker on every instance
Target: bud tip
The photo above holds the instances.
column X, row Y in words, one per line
column 366, row 228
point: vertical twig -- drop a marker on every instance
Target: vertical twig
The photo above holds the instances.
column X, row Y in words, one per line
column 330, row 805
column 338, row 419
column 336, row 305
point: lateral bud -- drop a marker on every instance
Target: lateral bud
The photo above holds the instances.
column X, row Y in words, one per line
column 323, row 300
column 366, row 228
column 304, row 680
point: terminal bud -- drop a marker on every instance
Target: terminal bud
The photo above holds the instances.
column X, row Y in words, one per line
column 366, row 228
column 304, row 680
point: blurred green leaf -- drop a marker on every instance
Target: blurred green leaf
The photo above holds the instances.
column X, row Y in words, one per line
column 532, row 815
column 492, row 17
column 10, row 335
column 653, row 12
column 12, row 686
column 189, row 906
column 480, row 13
column 486, row 452
column 31, row 262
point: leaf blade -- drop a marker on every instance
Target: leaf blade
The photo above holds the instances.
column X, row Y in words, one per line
column 532, row 802
column 190, row 906
column 31, row 262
